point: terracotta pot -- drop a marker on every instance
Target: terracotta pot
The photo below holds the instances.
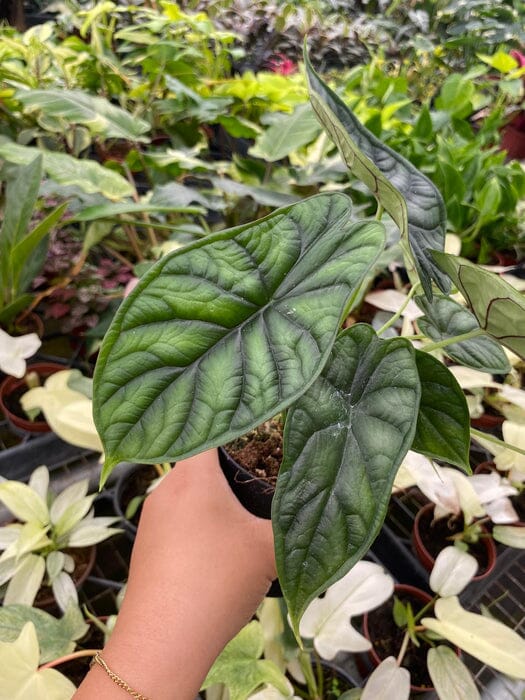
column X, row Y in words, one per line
column 12, row 384
column 487, row 421
column 426, row 558
column 405, row 591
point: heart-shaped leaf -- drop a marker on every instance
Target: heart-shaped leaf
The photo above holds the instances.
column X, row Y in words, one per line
column 443, row 424
column 221, row 335
column 498, row 307
column 445, row 318
column 410, row 198
column 343, row 443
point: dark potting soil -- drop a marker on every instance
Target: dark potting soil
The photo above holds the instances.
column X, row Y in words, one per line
column 76, row 669
column 137, row 484
column 387, row 638
column 260, row 451
column 12, row 402
column 436, row 536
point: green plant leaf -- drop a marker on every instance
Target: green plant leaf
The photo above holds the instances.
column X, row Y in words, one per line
column 445, row 318
column 56, row 637
column 223, row 334
column 261, row 195
column 411, row 199
column 78, row 107
column 114, row 209
column 289, row 133
column 88, row 175
column 240, row 667
column 498, row 307
column 450, row 677
column 486, row 639
column 344, row 440
column 443, row 423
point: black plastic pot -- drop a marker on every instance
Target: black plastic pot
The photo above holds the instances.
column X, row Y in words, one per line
column 119, row 495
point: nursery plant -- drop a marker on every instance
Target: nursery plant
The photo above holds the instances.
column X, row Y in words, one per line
column 39, row 546
column 225, row 333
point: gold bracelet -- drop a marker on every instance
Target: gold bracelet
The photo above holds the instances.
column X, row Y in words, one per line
column 97, row 659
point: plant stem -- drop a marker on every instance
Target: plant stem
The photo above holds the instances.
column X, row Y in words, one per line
column 379, row 212
column 70, row 657
column 403, row 649
column 424, row 609
column 399, row 312
column 491, row 438
column 455, row 339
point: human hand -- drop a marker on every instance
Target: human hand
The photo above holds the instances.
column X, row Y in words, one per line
column 201, row 564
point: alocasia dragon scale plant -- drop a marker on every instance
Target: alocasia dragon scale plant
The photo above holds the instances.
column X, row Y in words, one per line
column 223, row 334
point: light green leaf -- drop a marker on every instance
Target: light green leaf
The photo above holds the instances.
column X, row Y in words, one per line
column 25, row 584
column 511, row 536
column 287, row 134
column 410, row 198
column 56, row 637
column 114, row 209
column 72, row 514
column 223, row 334
column 498, row 307
column 344, row 440
column 54, row 564
column 450, row 677
column 39, row 481
column 487, row 639
column 443, row 423
column 64, row 591
column 21, row 679
column 71, row 495
column 88, row 175
column 452, row 571
column 90, row 532
column 240, row 668
column 262, row 195
column 445, row 318
column 387, row 682
column 23, row 502
column 77, row 107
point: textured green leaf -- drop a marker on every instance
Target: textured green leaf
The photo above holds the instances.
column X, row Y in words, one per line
column 443, row 424
column 450, row 677
column 411, row 199
column 114, row 209
column 498, row 307
column 221, row 335
column 445, row 318
column 288, row 134
column 88, row 175
column 77, row 107
column 344, row 440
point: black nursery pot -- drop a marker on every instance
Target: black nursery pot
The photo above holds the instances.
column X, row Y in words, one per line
column 134, row 482
column 253, row 493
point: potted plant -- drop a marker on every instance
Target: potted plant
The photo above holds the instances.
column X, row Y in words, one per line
column 50, row 548
column 225, row 333
column 481, row 636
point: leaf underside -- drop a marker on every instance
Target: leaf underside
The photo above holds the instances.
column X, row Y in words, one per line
column 445, row 318
column 223, row 334
column 498, row 307
column 443, row 423
column 343, row 443
column 410, row 198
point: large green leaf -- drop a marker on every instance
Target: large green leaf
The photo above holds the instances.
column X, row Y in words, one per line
column 445, row 318
column 343, row 443
column 287, row 134
column 443, row 423
column 411, row 199
column 77, row 107
column 498, row 307
column 221, row 335
column 88, row 175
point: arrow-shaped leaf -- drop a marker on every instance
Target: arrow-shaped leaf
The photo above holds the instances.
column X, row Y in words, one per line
column 443, row 423
column 221, row 335
column 498, row 307
column 445, row 318
column 410, row 198
column 343, row 443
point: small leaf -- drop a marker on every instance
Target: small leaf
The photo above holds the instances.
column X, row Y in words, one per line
column 488, row 640
column 223, row 334
column 509, row 535
column 443, row 424
column 498, row 307
column 452, row 571
column 344, row 440
column 64, row 591
column 387, row 682
column 23, row 502
column 25, row 584
column 399, row 612
column 445, row 318
column 287, row 134
column 411, row 199
column 450, row 677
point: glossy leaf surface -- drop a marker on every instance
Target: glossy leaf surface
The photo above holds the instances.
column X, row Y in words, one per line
column 410, row 198
column 445, row 318
column 223, row 334
column 443, row 424
column 343, row 443
column 498, row 307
